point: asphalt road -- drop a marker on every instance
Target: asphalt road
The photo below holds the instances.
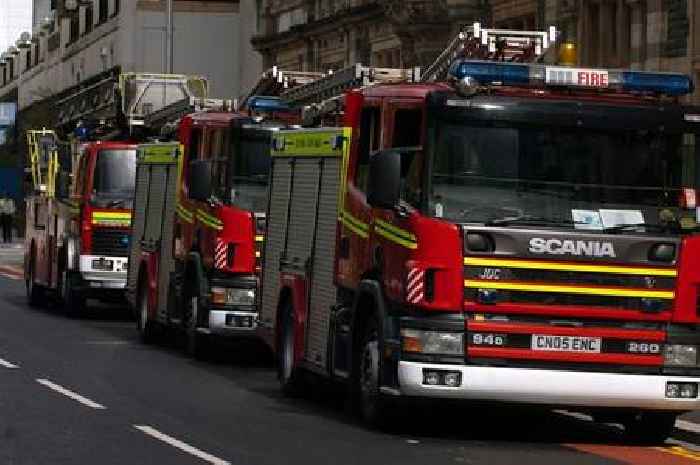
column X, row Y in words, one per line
column 86, row 391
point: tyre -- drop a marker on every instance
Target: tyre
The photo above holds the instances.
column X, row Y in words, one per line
column 35, row 293
column 289, row 377
column 650, row 428
column 374, row 406
column 146, row 327
column 72, row 300
column 195, row 343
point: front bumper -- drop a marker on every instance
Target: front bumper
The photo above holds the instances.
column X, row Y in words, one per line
column 102, row 279
column 549, row 387
column 224, row 323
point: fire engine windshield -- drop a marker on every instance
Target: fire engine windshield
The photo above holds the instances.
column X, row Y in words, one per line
column 583, row 178
column 115, row 173
column 250, row 171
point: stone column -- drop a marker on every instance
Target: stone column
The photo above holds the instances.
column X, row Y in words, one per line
column 637, row 34
column 605, row 33
column 623, row 34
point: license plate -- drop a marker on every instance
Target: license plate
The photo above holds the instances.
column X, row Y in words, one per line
column 102, row 264
column 549, row 343
column 239, row 321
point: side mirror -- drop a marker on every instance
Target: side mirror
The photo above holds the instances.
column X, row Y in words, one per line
column 384, row 184
column 200, row 180
column 63, row 185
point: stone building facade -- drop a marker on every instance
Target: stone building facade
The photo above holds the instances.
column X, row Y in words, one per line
column 312, row 35
column 317, row 35
column 639, row 34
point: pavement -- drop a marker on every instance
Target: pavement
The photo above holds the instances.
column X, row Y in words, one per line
column 79, row 391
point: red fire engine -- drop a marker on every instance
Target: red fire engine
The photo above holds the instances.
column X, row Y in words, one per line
column 200, row 222
column 79, row 216
column 505, row 230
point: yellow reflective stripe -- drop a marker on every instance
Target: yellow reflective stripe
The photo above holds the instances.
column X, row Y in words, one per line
column 351, row 226
column 118, row 218
column 545, row 265
column 606, row 291
column 111, row 216
column 394, row 234
column 159, row 153
column 395, row 230
column 209, row 220
column 355, row 225
column 184, row 214
column 259, row 238
column 310, row 143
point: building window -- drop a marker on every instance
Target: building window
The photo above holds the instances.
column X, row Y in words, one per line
column 37, row 51
column 258, row 16
column 117, row 7
column 104, row 11
column 89, row 19
column 28, row 57
column 74, row 27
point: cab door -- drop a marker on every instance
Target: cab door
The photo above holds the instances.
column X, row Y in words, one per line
column 355, row 216
column 392, row 236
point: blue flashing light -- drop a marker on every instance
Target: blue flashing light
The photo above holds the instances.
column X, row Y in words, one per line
column 486, row 72
column 537, row 75
column 659, row 83
column 262, row 103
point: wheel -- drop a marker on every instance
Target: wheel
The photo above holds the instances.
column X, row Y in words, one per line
column 650, row 428
column 288, row 375
column 146, row 327
column 72, row 300
column 35, row 294
column 194, row 342
column 374, row 406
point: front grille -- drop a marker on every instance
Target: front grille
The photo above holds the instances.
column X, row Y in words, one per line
column 546, row 282
column 110, row 242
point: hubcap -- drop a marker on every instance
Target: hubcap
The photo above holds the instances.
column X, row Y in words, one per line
column 64, row 285
column 369, row 369
column 191, row 317
column 144, row 313
column 288, row 356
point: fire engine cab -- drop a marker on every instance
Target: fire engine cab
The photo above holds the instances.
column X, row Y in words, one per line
column 502, row 229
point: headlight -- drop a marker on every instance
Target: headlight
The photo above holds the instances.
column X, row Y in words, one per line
column 234, row 297
column 680, row 355
column 432, row 342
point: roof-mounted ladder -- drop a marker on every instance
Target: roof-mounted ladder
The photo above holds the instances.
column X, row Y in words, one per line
column 492, row 44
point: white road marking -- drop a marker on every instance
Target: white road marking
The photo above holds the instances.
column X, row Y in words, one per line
column 180, row 445
column 688, row 426
column 6, row 364
column 687, row 445
column 71, row 394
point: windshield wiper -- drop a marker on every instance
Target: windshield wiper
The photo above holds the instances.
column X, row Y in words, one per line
column 630, row 226
column 115, row 203
column 531, row 220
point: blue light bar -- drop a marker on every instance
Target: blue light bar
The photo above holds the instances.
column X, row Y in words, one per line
column 658, row 83
column 488, row 73
column 263, row 103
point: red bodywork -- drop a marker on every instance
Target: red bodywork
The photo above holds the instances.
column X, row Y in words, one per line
column 224, row 235
column 439, row 247
column 55, row 219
